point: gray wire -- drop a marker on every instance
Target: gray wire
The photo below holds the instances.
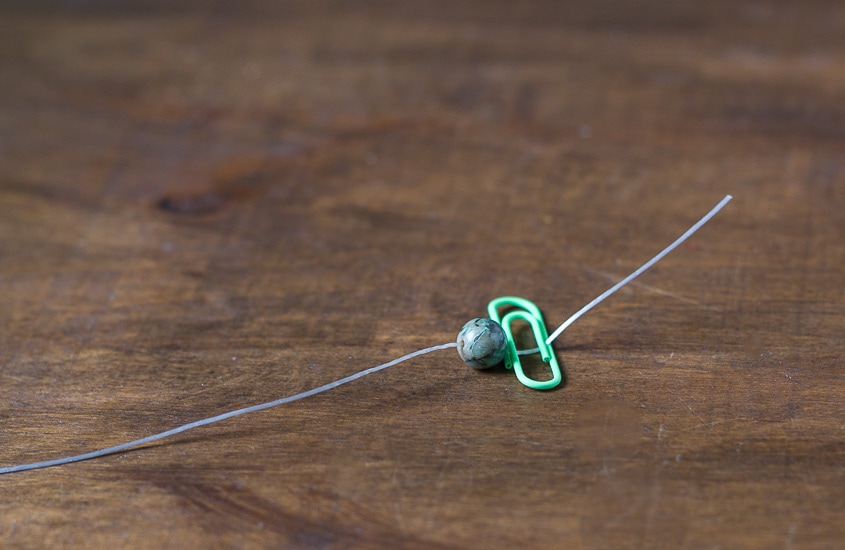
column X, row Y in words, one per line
column 630, row 277
column 350, row 378
column 219, row 417
column 639, row 271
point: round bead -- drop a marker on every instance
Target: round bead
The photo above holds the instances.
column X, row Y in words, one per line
column 482, row 343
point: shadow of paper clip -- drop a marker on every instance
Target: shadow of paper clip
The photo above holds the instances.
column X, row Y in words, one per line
column 530, row 313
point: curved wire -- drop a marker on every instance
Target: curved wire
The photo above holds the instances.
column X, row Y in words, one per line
column 696, row 226
column 350, row 378
column 574, row 317
column 219, row 417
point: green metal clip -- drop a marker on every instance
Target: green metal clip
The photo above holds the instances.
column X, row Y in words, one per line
column 529, row 312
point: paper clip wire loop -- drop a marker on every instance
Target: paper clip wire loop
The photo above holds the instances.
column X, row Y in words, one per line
column 530, row 313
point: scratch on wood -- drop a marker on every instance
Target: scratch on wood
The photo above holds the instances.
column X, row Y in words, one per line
column 397, row 506
column 703, row 422
column 615, row 279
column 709, row 424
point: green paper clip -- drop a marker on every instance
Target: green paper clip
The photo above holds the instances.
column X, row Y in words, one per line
column 531, row 314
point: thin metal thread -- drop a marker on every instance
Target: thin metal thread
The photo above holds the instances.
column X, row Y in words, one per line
column 350, row 378
column 219, row 417
column 604, row 295
column 639, row 270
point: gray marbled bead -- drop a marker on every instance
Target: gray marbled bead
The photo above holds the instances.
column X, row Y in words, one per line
column 482, row 343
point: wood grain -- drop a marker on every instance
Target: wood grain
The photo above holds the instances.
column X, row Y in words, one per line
column 207, row 205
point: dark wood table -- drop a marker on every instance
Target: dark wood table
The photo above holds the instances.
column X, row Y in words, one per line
column 208, row 205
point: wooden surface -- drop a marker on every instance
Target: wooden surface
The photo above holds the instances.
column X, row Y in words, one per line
column 205, row 206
